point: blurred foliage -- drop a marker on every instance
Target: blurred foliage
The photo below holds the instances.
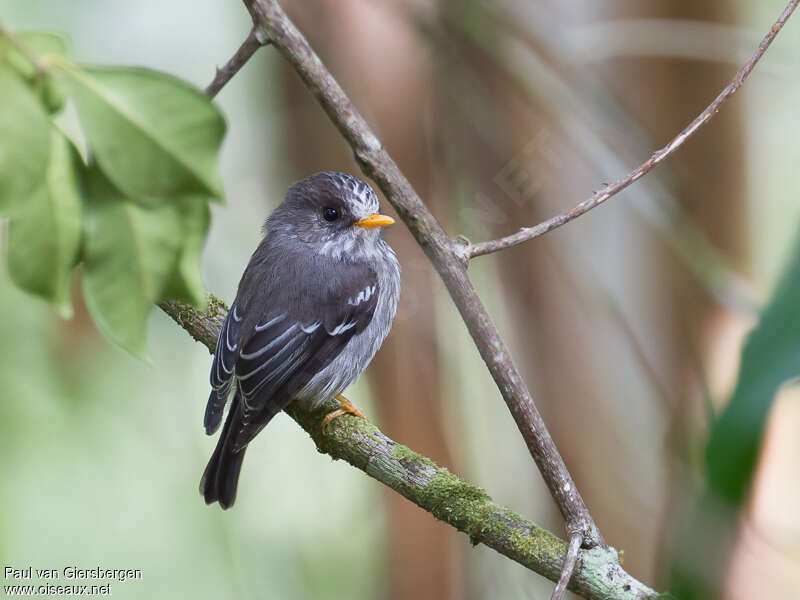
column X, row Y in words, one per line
column 136, row 215
column 152, row 134
column 45, row 233
column 770, row 358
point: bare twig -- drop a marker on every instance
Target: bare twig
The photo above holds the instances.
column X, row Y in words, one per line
column 236, row 62
column 468, row 251
column 437, row 491
column 376, row 163
column 570, row 560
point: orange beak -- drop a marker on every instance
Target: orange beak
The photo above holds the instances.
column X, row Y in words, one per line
column 375, row 220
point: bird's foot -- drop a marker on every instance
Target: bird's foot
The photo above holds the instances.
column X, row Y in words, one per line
column 345, row 408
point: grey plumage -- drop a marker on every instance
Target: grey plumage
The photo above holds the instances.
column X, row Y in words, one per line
column 313, row 306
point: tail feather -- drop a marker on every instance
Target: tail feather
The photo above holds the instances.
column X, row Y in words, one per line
column 221, row 477
column 214, row 408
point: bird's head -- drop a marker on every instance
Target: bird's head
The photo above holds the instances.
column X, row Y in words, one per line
column 335, row 213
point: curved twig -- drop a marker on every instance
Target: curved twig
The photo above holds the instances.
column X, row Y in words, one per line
column 468, row 251
column 236, row 62
column 570, row 560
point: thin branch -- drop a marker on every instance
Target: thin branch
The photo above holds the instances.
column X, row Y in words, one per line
column 468, row 251
column 437, row 491
column 375, row 162
column 570, row 560
column 237, row 61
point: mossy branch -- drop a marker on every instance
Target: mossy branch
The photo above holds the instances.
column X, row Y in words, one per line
column 434, row 489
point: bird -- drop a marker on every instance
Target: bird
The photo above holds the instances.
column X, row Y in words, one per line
column 314, row 304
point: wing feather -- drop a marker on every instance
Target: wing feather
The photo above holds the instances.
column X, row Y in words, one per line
column 225, row 356
column 278, row 360
column 274, row 341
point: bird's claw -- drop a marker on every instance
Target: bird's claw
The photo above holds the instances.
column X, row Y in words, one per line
column 345, row 408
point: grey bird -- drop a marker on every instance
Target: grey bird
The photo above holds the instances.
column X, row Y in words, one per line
column 314, row 305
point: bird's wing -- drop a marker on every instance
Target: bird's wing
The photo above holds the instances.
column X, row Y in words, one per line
column 222, row 367
column 288, row 349
column 280, row 352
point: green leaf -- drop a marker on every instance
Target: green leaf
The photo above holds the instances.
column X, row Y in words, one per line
column 771, row 357
column 24, row 142
column 186, row 282
column 44, row 43
column 45, row 232
column 130, row 253
column 152, row 134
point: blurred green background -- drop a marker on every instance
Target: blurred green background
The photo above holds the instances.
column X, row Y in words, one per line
column 628, row 324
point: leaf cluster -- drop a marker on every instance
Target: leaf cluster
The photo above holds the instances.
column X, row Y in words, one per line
column 124, row 194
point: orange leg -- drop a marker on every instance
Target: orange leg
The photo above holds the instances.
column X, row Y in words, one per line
column 345, row 408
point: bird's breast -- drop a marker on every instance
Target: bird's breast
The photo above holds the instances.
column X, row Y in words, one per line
column 359, row 351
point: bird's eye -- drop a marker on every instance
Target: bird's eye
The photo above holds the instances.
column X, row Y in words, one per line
column 330, row 213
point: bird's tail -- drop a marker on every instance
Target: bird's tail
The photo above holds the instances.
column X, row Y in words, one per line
column 221, row 476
